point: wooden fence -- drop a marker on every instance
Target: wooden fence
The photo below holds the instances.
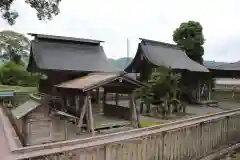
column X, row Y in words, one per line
column 188, row 139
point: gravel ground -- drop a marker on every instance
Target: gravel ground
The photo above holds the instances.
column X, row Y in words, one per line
column 192, row 111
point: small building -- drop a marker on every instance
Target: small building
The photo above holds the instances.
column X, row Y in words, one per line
column 59, row 59
column 227, row 83
column 151, row 54
column 39, row 121
column 229, row 70
column 37, row 125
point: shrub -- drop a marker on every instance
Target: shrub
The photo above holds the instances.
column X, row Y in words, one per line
column 16, row 74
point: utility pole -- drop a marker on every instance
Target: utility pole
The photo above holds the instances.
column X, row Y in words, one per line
column 127, row 62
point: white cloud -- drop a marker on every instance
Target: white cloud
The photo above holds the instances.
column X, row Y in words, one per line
column 114, row 21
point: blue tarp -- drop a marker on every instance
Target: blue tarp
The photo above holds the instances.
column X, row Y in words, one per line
column 7, row 93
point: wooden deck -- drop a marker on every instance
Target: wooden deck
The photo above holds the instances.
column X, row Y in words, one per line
column 104, row 122
column 102, row 125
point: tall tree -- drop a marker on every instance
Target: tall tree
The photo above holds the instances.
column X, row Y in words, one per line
column 46, row 9
column 189, row 37
column 13, row 45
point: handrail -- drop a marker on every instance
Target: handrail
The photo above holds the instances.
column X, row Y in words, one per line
column 46, row 149
column 7, row 130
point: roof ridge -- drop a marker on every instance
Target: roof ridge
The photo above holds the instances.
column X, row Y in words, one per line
column 65, row 38
column 161, row 43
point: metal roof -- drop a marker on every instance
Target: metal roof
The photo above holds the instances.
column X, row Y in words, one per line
column 63, row 56
column 229, row 66
column 95, row 80
column 62, row 38
column 165, row 54
column 87, row 81
column 25, row 108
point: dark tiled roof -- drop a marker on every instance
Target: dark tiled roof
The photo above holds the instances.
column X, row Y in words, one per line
column 168, row 55
column 64, row 56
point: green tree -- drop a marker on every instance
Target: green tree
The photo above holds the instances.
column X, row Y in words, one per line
column 16, row 74
column 189, row 37
column 162, row 87
column 46, row 9
column 14, row 45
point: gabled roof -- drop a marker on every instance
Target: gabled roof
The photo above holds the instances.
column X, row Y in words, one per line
column 165, row 54
column 96, row 80
column 67, row 54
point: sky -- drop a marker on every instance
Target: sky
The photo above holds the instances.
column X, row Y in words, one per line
column 113, row 21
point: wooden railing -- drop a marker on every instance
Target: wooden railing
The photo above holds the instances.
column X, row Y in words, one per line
column 188, row 139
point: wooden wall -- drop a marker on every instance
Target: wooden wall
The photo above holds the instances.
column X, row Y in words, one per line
column 42, row 128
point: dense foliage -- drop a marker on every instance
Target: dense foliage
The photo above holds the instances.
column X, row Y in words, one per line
column 163, row 86
column 13, row 48
column 46, row 9
column 16, row 74
column 189, row 37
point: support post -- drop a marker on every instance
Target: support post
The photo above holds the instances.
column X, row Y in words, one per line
column 209, row 91
column 104, row 97
column 90, row 116
column 199, row 91
column 135, row 112
column 80, row 122
column 77, row 103
column 117, row 98
column 98, row 96
column 66, row 129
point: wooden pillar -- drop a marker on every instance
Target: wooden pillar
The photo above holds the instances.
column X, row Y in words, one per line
column 84, row 107
column 209, row 91
column 64, row 104
column 117, row 99
column 66, row 129
column 98, row 95
column 77, row 103
column 104, row 97
column 141, row 106
column 199, row 91
column 90, row 116
column 134, row 112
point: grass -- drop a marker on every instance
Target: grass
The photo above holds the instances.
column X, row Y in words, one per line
column 22, row 93
column 18, row 89
column 148, row 124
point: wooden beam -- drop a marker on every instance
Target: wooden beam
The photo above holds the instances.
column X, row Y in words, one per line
column 98, row 96
column 199, row 91
column 66, row 129
column 77, row 103
column 209, row 91
column 117, row 98
column 90, row 116
column 80, row 122
column 135, row 118
column 104, row 97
